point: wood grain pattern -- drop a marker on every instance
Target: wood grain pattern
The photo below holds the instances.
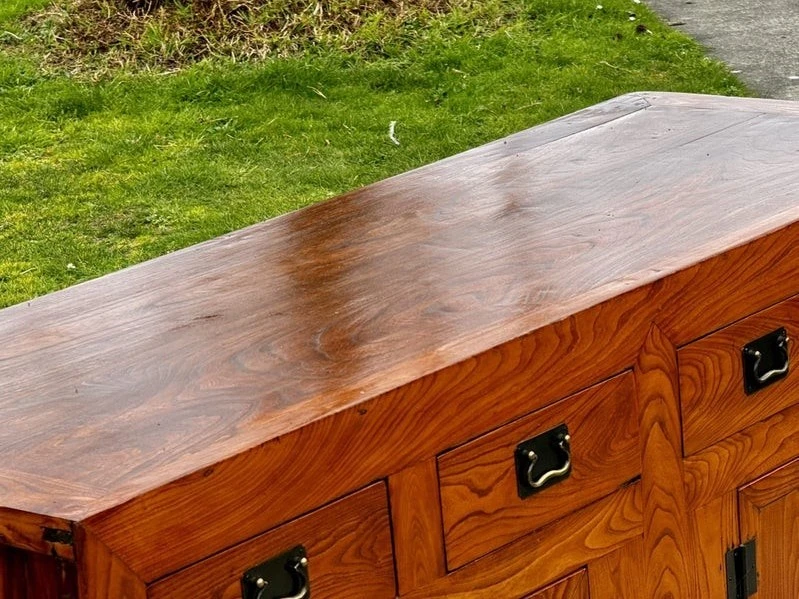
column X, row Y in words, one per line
column 30, row 575
column 348, row 544
column 50, row 578
column 416, row 523
column 28, row 532
column 596, row 343
column 480, row 505
column 517, row 375
column 618, row 575
column 702, row 102
column 331, row 336
column 742, row 457
column 247, row 361
column 723, row 289
column 573, row 587
column 546, row 555
column 769, row 512
column 101, row 574
column 223, row 329
column 714, row 531
column 13, row 566
column 712, row 381
column 666, row 542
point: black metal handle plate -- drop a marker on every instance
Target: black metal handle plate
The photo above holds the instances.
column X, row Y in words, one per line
column 765, row 360
column 281, row 577
column 543, row 461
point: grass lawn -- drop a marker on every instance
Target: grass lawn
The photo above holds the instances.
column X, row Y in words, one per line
column 97, row 174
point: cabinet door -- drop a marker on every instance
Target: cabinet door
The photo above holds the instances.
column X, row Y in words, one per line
column 572, row 587
column 769, row 513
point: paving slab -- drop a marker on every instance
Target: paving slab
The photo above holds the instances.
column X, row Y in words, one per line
column 759, row 39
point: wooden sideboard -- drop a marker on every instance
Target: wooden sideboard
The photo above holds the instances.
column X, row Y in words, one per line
column 532, row 370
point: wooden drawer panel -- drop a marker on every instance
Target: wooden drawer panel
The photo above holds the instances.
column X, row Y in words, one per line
column 348, row 544
column 480, row 503
column 714, row 402
column 573, row 587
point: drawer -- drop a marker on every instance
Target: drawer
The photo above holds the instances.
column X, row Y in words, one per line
column 713, row 398
column 481, row 502
column 348, row 548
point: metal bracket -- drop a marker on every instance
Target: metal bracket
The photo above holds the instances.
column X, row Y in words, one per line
column 742, row 571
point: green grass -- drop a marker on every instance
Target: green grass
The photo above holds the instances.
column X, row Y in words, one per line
column 14, row 8
column 98, row 175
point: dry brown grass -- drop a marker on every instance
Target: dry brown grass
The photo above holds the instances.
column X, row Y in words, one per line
column 81, row 34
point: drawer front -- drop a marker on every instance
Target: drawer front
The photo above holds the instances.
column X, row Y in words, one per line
column 348, row 548
column 714, row 399
column 481, row 502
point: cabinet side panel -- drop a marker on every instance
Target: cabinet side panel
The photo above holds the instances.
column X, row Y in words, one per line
column 28, row 575
column 12, row 573
column 666, row 538
column 24, row 531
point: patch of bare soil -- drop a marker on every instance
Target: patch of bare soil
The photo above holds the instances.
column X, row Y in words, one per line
column 166, row 34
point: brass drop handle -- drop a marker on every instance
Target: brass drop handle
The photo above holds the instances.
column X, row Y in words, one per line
column 766, row 360
column 298, row 568
column 537, row 483
column 543, row 461
column 782, row 344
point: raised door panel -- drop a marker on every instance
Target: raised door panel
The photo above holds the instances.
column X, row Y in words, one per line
column 769, row 513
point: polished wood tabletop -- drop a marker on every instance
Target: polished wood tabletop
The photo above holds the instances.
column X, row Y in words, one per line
column 119, row 385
